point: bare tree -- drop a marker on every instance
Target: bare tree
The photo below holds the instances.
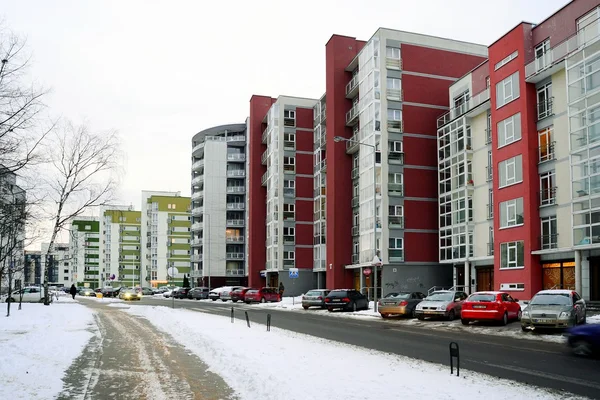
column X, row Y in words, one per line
column 22, row 127
column 83, row 173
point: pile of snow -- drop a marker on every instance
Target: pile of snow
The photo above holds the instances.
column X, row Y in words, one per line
column 594, row 319
column 283, row 364
column 38, row 344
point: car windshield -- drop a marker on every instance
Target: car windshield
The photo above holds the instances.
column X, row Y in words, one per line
column 551, row 299
column 397, row 296
column 440, row 296
column 482, row 297
column 314, row 293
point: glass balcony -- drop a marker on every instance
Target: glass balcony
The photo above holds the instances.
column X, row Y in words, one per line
column 197, row 211
column 234, row 256
column 394, row 126
column 394, row 94
column 393, row 63
column 235, row 272
column 264, row 179
column 356, row 230
column 234, row 239
column 396, row 157
column 236, row 206
column 355, row 258
column 236, row 157
column 236, row 189
column 198, row 165
column 289, row 263
column 196, row 258
column 289, row 240
column 355, row 201
column 462, row 108
column 396, row 221
column 236, row 173
column 352, row 87
column 395, row 189
column 549, row 241
column 352, row 116
column 235, row 222
column 265, row 135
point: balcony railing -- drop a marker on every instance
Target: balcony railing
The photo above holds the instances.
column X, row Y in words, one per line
column 198, row 164
column 323, row 115
column 236, row 206
column 289, row 192
column 393, row 63
column 396, row 255
column 236, row 138
column 353, row 84
column 289, row 122
column 395, row 189
column 235, row 222
column 197, row 195
column 394, row 94
column 235, row 256
column 198, row 180
column 544, row 108
column 355, row 230
column 489, row 173
column 196, row 241
column 197, row 226
column 265, row 135
column 355, row 258
column 289, row 145
column 396, row 221
column 289, row 239
column 235, row 272
column 264, row 157
column 196, row 257
column 548, row 196
column 490, row 249
column 354, row 173
column 490, row 211
column 488, row 136
column 236, row 189
column 234, row 239
column 236, row 157
column 319, row 265
column 351, row 116
column 352, row 145
column 548, row 242
column 394, row 126
column 197, row 211
column 289, row 263
column 396, row 157
column 464, row 107
column 546, row 152
column 236, row 173
column 264, row 179
column 290, row 169
column 355, row 201
column 320, row 166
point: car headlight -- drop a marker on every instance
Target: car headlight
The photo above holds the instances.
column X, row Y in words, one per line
column 139, row 295
column 564, row 315
column 440, row 308
column 525, row 314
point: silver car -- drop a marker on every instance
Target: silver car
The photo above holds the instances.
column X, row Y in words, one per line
column 314, row 298
column 554, row 309
column 441, row 304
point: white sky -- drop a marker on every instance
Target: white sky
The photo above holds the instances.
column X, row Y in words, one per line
column 159, row 71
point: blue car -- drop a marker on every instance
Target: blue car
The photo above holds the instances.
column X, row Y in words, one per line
column 585, row 340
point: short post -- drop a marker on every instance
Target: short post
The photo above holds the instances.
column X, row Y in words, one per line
column 454, row 353
column 232, row 315
column 247, row 318
column 268, row 322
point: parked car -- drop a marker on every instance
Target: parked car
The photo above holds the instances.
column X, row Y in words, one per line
column 346, row 300
column 554, row 309
column 97, row 290
column 215, row 294
column 441, row 303
column 314, row 298
column 146, row 291
column 226, row 295
column 87, row 292
column 130, row 294
column 490, row 306
column 198, row 293
column 109, row 292
column 182, row 293
column 240, row 294
column 31, row 294
column 585, row 340
column 170, row 292
column 399, row 303
column 262, row 295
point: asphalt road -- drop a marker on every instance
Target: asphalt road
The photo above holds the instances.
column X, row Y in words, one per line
column 549, row 365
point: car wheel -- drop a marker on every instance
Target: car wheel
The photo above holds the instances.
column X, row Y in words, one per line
column 582, row 348
column 413, row 313
column 305, row 307
column 263, row 300
column 523, row 328
column 247, row 302
column 384, row 316
column 214, row 299
column 420, row 317
column 330, row 309
column 519, row 315
column 464, row 321
column 235, row 301
column 223, row 300
column 354, row 307
column 451, row 315
column 505, row 319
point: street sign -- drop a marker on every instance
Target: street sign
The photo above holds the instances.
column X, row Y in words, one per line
column 293, row 273
column 367, row 271
column 172, row 271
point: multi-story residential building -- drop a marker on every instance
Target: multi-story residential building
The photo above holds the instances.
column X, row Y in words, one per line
column 383, row 97
column 57, row 263
column 33, row 267
column 320, row 192
column 219, row 206
column 506, row 157
column 12, row 227
column 120, row 230
column 166, row 226
column 281, row 159
column 84, row 245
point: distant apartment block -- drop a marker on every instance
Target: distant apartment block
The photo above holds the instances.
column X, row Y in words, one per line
column 12, row 228
column 56, row 264
column 84, row 245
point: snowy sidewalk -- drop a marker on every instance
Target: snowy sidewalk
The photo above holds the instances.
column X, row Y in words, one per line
column 131, row 359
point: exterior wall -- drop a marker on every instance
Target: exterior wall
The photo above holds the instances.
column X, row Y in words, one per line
column 84, row 243
column 60, row 262
column 215, row 208
column 417, row 278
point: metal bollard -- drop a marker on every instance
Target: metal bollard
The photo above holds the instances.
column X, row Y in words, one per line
column 232, row 315
column 268, row 322
column 247, row 318
column 454, row 353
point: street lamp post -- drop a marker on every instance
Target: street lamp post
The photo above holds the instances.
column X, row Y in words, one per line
column 374, row 147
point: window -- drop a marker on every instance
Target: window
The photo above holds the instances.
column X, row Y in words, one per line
column 395, row 178
column 393, row 83
column 549, row 233
column 289, row 114
column 547, row 190
column 289, row 141
column 542, row 55
column 511, row 213
column 396, row 147
column 392, row 52
column 510, row 171
column 289, row 184
column 512, row 255
column 289, row 211
column 509, row 130
column 88, row 228
column 506, row 60
column 544, row 101
column 507, row 90
column 289, row 231
column 289, row 164
column 396, row 243
column 394, row 115
column 289, row 255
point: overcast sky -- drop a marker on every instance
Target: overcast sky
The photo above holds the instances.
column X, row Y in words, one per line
column 159, row 71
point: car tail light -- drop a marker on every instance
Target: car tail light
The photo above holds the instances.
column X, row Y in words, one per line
column 320, row 298
column 404, row 303
column 230, row 293
column 327, row 299
column 346, row 300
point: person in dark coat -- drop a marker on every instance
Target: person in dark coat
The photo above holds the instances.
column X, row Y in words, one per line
column 73, row 291
column 281, row 289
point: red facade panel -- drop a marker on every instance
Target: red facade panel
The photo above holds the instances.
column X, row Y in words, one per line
column 479, row 78
column 421, row 247
column 304, row 164
column 304, row 235
column 304, row 188
column 432, row 61
column 421, row 120
column 421, row 215
column 420, row 89
column 304, row 258
column 304, row 212
column 420, row 151
column 304, row 118
column 304, row 140
column 421, row 183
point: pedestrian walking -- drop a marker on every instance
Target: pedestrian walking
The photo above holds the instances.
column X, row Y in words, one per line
column 73, row 291
column 281, row 289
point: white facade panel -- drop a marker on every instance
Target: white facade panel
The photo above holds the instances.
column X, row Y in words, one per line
column 215, row 209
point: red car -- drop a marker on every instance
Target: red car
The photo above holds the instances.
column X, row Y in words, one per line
column 490, row 306
column 262, row 295
column 240, row 294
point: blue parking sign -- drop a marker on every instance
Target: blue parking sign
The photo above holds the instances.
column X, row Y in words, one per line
column 293, row 273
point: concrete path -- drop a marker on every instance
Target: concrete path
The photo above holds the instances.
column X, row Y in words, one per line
column 129, row 359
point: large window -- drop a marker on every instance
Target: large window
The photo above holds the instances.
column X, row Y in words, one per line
column 510, row 171
column 289, row 164
column 544, row 101
column 507, row 90
column 511, row 213
column 512, row 255
column 509, row 130
column 547, row 189
column 549, row 233
column 392, row 52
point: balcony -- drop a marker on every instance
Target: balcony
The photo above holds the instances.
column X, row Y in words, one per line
column 489, row 175
column 235, row 256
column 394, row 94
column 352, row 116
column 197, row 195
column 236, row 206
column 321, row 166
column 264, row 179
column 394, row 126
column 289, row 169
column 289, row 263
column 396, row 221
column 236, row 189
column 395, row 189
column 234, row 239
column 236, row 138
column 289, row 192
column 396, row 157
column 197, row 180
column 396, row 255
column 287, row 239
column 323, row 115
column 236, row 157
column 235, row 222
column 355, row 258
column 235, row 272
column 197, row 165
column 197, row 211
column 544, row 108
column 353, row 145
column 490, row 211
column 488, row 136
column 548, row 242
column 354, row 173
column 490, row 249
column 548, row 196
column 196, row 258
column 196, row 241
column 318, row 215
column 546, row 152
column 355, row 201
column 355, row 230
column 196, row 226
column 463, row 108
column 236, row 173
column 319, row 265
column 265, row 135
column 352, row 87
column 289, row 122
column 393, row 63
column 289, row 145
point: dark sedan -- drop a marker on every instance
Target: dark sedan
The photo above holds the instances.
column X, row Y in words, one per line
column 346, row 300
column 181, row 293
column 399, row 303
column 585, row 340
column 198, row 293
column 314, row 298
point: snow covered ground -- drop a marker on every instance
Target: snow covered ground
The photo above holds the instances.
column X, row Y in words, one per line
column 38, row 344
column 281, row 364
